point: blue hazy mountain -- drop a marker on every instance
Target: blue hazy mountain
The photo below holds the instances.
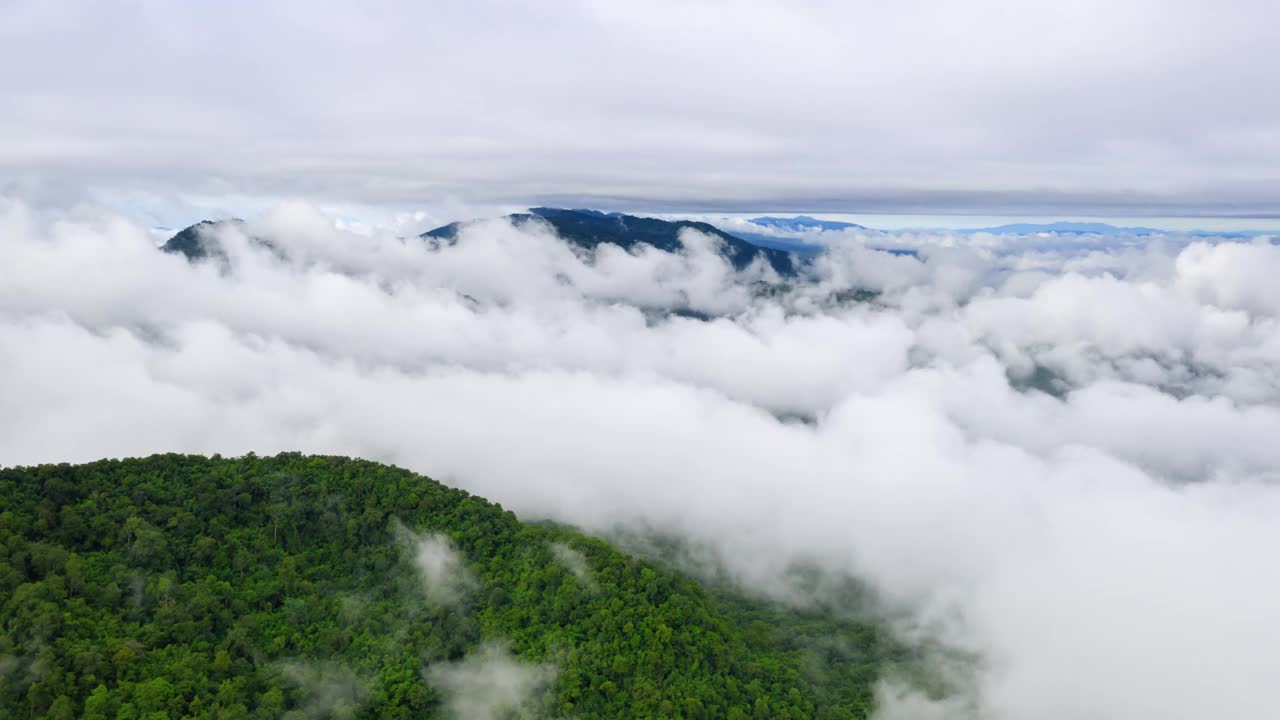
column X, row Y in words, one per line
column 1066, row 227
column 590, row 228
column 804, row 223
column 785, row 244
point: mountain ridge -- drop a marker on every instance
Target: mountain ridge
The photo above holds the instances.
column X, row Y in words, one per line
column 804, row 223
column 588, row 229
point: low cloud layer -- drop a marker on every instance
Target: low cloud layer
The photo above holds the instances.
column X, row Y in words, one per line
column 1103, row 547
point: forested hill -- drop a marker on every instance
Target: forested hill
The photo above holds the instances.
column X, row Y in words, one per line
column 295, row 586
column 589, row 228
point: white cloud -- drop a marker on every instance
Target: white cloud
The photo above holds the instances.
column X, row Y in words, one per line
column 490, row 684
column 1105, row 552
column 330, row 690
column 441, row 568
column 574, row 561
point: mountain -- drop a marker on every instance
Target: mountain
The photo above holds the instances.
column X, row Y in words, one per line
column 1105, row 229
column 197, row 241
column 590, row 228
column 1066, row 228
column 804, row 223
column 298, row 586
column 785, row 244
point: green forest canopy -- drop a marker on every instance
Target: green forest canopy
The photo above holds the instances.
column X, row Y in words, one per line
column 292, row 586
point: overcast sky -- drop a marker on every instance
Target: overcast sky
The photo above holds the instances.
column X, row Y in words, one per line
column 1085, row 106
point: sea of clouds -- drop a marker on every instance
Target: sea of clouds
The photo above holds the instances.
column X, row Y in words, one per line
column 1056, row 453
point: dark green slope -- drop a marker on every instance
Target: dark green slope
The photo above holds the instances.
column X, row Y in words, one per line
column 589, row 228
column 182, row 586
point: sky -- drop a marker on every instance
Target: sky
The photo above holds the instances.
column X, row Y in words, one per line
column 461, row 109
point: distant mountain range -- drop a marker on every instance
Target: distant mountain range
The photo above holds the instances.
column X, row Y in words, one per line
column 586, row 229
column 804, row 223
column 799, row 225
column 589, row 228
column 1067, row 227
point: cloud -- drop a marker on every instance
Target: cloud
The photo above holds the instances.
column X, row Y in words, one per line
column 817, row 104
column 1103, row 552
column 574, row 561
column 490, row 683
column 442, row 569
column 330, row 690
